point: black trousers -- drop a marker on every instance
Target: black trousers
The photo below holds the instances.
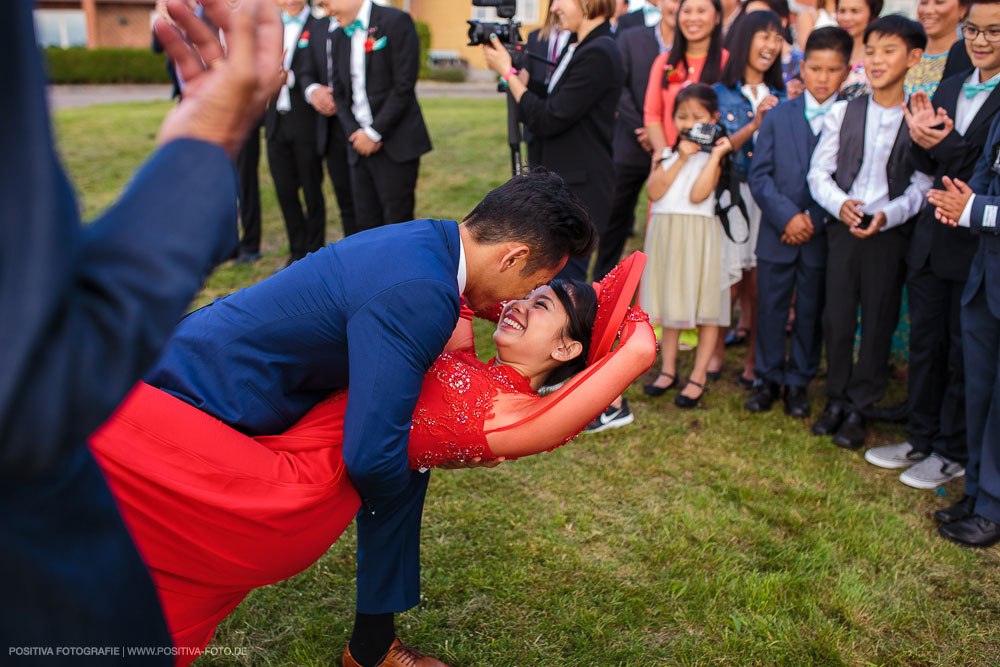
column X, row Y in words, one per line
column 629, row 180
column 383, row 190
column 340, row 174
column 936, row 387
column 981, row 345
column 247, row 165
column 294, row 166
column 776, row 283
column 868, row 273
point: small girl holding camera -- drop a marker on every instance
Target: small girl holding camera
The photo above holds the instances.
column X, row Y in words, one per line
column 682, row 285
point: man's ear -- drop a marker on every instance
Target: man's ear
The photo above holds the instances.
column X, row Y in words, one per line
column 913, row 58
column 567, row 351
column 515, row 254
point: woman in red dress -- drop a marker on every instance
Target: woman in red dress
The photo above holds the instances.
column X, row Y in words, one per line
column 216, row 513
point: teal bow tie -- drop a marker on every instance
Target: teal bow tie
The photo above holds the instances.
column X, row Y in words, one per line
column 973, row 89
column 286, row 19
column 349, row 29
column 816, row 111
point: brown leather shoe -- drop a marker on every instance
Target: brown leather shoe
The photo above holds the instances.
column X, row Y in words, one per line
column 399, row 655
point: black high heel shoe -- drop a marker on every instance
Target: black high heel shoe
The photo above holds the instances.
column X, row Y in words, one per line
column 682, row 401
column 653, row 390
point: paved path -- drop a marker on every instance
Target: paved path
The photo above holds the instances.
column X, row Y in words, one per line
column 69, row 97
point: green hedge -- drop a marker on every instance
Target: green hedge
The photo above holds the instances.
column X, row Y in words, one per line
column 79, row 65
column 448, row 74
column 424, row 35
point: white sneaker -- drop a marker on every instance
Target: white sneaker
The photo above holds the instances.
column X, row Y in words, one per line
column 932, row 472
column 894, row 456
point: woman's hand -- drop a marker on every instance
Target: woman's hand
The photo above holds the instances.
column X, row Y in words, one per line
column 497, row 58
column 766, row 105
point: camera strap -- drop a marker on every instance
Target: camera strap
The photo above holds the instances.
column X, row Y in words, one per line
column 729, row 181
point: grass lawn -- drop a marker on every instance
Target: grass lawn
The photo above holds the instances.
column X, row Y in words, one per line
column 689, row 538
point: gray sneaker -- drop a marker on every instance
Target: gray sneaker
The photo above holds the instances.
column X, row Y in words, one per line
column 932, row 472
column 894, row 456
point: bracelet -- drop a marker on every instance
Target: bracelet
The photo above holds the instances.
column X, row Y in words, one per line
column 511, row 72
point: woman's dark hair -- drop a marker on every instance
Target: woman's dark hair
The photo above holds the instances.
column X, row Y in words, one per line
column 580, row 302
column 874, row 8
column 908, row 30
column 713, row 61
column 831, row 38
column 538, row 210
column 701, row 93
column 745, row 29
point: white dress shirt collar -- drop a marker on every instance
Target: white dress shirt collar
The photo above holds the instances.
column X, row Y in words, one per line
column 817, row 122
column 563, row 64
column 462, row 269
column 966, row 108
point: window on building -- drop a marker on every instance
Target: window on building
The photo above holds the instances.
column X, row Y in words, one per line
column 60, row 27
column 527, row 13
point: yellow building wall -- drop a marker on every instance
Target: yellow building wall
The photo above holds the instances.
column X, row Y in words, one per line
column 449, row 30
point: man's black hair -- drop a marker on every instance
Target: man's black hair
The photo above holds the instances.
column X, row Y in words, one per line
column 831, row 38
column 538, row 210
column 911, row 32
column 739, row 50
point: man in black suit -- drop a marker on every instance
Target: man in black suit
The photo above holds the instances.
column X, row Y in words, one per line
column 316, row 81
column 86, row 310
column 290, row 130
column 636, row 19
column 639, row 48
column 375, row 58
column 938, row 259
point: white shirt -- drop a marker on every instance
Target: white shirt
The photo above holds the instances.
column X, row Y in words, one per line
column 677, row 198
column 292, row 31
column 816, row 124
column 664, row 47
column 359, row 103
column 563, row 64
column 870, row 186
column 462, row 270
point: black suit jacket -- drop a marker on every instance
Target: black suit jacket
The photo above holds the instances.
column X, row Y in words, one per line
column 576, row 120
column 958, row 60
column 639, row 49
column 950, row 249
column 634, row 19
column 390, row 83
column 315, row 70
column 302, row 115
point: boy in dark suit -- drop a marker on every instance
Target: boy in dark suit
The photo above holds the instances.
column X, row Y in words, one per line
column 290, row 130
column 862, row 173
column 316, row 81
column 375, row 62
column 939, row 257
column 791, row 247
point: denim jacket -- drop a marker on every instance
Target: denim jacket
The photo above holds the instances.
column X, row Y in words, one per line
column 735, row 112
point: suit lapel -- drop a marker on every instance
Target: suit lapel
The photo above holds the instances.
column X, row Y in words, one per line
column 802, row 134
column 373, row 26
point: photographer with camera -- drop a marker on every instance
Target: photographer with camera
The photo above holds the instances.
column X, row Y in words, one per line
column 574, row 114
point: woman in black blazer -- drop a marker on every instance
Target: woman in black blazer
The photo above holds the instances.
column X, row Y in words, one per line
column 574, row 115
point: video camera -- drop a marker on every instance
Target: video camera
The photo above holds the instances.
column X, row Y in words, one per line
column 508, row 33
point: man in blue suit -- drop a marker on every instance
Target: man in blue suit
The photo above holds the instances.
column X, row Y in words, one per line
column 372, row 312
column 975, row 520
column 791, row 247
column 85, row 311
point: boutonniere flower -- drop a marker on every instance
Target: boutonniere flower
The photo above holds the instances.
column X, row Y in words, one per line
column 675, row 74
column 372, row 44
column 304, row 39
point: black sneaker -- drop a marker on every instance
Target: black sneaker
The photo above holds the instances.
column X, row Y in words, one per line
column 611, row 418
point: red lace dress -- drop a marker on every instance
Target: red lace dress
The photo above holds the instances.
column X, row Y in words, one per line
column 216, row 513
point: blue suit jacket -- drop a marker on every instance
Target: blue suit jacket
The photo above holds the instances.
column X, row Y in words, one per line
column 783, row 149
column 985, row 270
column 84, row 312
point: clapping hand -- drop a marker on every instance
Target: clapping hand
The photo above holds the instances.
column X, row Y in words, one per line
column 922, row 119
column 224, row 92
column 951, row 201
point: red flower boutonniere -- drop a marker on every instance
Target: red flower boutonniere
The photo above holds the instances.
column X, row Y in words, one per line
column 372, row 44
column 304, row 39
column 675, row 74
column 369, row 44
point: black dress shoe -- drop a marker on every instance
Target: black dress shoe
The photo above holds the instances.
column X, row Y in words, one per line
column 682, row 401
column 713, row 375
column 744, row 382
column 851, row 434
column 972, row 531
column 763, row 397
column 896, row 414
column 796, row 402
column 830, row 420
column 653, row 390
column 246, row 258
column 960, row 510
column 737, row 336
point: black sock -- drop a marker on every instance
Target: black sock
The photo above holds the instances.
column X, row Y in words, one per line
column 373, row 635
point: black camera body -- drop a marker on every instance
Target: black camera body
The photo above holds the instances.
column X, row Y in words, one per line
column 508, row 34
column 705, row 135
